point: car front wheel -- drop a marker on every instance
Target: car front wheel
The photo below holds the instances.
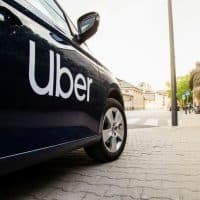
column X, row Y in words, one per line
column 114, row 134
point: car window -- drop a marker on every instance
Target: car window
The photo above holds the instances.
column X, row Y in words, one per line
column 51, row 10
column 72, row 25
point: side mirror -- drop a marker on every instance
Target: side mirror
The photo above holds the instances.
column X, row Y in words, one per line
column 87, row 26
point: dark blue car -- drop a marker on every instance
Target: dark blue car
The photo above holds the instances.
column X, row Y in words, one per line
column 55, row 96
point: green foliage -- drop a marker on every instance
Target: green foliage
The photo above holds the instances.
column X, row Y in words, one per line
column 182, row 87
column 168, row 91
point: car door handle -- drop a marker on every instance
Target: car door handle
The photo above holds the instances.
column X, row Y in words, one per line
column 7, row 17
column 57, row 38
column 60, row 42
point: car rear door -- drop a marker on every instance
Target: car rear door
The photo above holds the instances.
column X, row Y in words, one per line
column 49, row 86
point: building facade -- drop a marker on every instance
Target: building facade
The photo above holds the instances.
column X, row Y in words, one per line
column 133, row 96
column 195, row 84
column 143, row 97
column 154, row 100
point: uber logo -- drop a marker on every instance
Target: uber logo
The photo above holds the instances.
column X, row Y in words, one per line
column 79, row 85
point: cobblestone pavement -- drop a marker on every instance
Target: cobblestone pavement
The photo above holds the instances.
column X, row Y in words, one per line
column 158, row 163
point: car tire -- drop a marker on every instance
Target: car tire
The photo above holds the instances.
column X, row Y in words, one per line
column 113, row 134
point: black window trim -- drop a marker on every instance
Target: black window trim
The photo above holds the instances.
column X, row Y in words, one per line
column 50, row 26
column 44, row 18
column 39, row 17
column 63, row 12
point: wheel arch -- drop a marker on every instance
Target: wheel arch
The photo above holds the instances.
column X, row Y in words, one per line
column 117, row 95
column 113, row 93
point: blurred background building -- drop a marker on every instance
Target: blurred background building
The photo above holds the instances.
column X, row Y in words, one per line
column 195, row 84
column 143, row 96
column 133, row 96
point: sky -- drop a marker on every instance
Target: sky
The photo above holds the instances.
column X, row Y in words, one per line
column 133, row 37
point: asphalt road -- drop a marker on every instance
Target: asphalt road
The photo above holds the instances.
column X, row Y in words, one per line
column 148, row 118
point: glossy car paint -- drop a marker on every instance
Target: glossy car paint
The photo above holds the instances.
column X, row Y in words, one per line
column 36, row 126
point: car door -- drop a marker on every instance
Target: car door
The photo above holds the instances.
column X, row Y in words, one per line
column 49, row 85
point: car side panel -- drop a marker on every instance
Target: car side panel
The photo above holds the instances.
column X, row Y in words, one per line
column 30, row 121
column 22, row 160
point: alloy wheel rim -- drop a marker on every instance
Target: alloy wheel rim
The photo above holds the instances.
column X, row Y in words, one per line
column 113, row 130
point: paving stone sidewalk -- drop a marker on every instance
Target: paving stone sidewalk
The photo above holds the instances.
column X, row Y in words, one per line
column 158, row 163
column 189, row 120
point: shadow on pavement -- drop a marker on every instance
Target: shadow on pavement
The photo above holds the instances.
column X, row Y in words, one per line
column 25, row 183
